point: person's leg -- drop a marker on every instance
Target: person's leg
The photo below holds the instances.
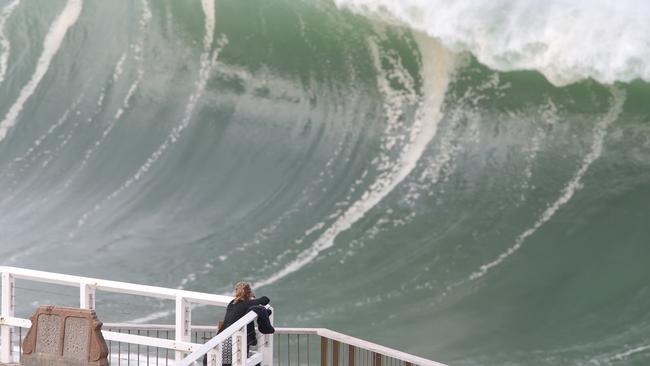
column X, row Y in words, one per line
column 226, row 355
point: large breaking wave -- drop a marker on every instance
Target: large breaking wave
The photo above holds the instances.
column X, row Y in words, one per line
column 464, row 181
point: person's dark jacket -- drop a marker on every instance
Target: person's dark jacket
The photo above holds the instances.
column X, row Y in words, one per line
column 236, row 311
column 263, row 319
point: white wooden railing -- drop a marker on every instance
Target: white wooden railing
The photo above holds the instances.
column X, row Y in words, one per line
column 295, row 346
column 88, row 288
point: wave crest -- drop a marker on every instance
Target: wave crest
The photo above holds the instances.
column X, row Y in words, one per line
column 566, row 41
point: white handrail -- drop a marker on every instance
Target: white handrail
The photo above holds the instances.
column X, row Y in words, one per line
column 183, row 326
column 87, row 288
column 119, row 337
column 323, row 332
column 116, row 286
column 360, row 343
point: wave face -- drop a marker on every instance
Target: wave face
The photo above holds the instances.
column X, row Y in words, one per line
column 426, row 176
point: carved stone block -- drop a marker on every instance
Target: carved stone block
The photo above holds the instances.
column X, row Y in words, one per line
column 65, row 336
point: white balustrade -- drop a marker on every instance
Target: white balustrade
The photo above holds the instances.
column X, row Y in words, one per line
column 88, row 287
column 186, row 352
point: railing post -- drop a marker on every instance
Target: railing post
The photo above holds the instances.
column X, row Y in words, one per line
column 86, row 296
column 183, row 323
column 8, row 308
column 239, row 347
column 267, row 346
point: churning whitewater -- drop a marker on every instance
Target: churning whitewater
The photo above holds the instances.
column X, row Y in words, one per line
column 467, row 182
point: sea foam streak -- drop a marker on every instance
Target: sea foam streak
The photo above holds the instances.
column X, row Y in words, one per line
column 145, row 19
column 437, row 66
column 566, row 40
column 207, row 61
column 5, row 46
column 51, row 45
column 32, row 153
column 600, row 131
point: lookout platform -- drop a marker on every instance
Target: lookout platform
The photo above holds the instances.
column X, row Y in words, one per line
column 179, row 344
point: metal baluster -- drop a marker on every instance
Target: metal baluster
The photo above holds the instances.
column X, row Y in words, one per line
column 157, row 349
column 167, row 352
column 110, row 349
column 351, row 352
column 323, row 351
column 119, row 351
column 335, row 353
column 148, row 331
column 20, row 344
column 128, row 351
column 298, row 362
column 376, row 359
column 138, row 357
column 308, row 351
column 278, row 342
column 288, row 350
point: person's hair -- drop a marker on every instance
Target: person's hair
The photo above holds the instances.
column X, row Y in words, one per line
column 243, row 292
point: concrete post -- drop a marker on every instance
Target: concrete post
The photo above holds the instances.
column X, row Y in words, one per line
column 7, row 310
column 183, row 323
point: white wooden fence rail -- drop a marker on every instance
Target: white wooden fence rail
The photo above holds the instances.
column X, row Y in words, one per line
column 87, row 297
column 186, row 352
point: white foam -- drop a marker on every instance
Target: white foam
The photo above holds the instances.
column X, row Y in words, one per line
column 29, row 157
column 5, row 46
column 119, row 67
column 623, row 355
column 50, row 131
column 51, row 45
column 566, row 40
column 549, row 117
column 208, row 11
column 437, row 66
column 600, row 131
column 127, row 100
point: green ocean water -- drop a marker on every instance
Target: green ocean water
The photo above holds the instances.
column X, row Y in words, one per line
column 367, row 171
